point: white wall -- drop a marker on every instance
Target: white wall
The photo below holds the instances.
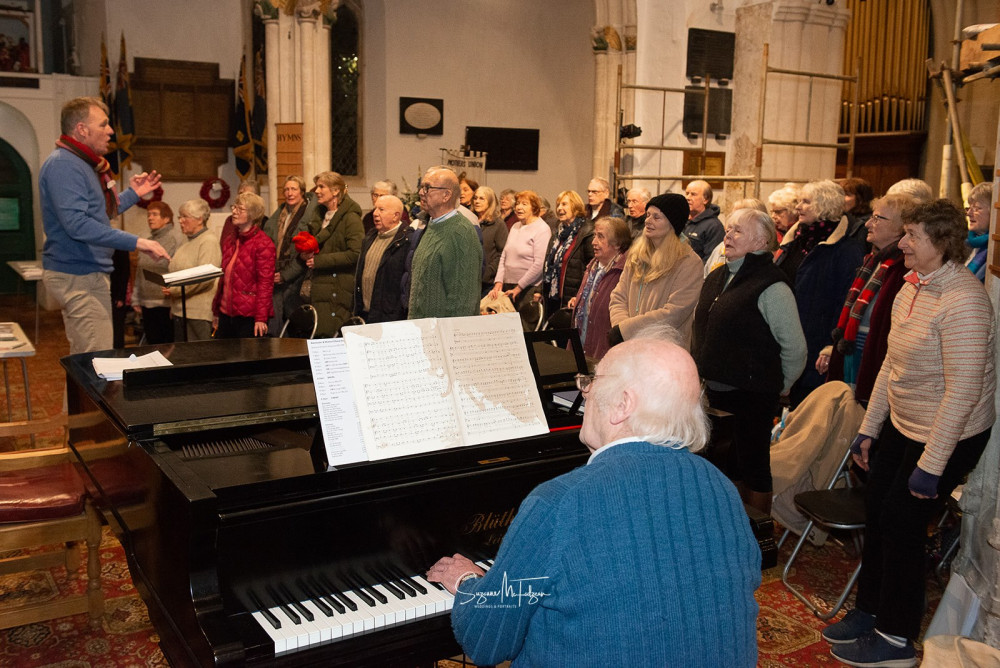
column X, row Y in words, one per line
column 498, row 63
column 663, row 65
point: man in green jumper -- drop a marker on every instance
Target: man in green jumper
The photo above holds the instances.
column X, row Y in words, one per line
column 447, row 263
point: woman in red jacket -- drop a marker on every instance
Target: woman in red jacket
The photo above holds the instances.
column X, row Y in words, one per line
column 242, row 304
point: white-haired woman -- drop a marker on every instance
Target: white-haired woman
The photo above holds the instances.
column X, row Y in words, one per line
column 781, row 205
column 819, row 260
column 202, row 247
column 745, row 375
column 242, row 304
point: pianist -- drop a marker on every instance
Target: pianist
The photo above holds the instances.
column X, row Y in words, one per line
column 642, row 557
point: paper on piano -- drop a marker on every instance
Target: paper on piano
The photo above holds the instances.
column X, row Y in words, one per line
column 112, row 368
column 338, row 414
column 437, row 383
column 204, row 270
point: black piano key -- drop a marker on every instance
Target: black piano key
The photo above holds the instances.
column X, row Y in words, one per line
column 406, row 579
column 359, row 590
column 315, row 597
column 332, row 592
column 327, row 597
column 400, row 581
column 304, row 611
column 262, row 609
column 387, row 582
column 292, row 615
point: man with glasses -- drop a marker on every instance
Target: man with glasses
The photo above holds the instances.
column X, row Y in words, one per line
column 599, row 202
column 642, row 557
column 445, row 268
column 78, row 201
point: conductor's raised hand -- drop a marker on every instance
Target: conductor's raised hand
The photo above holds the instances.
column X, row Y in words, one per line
column 145, row 183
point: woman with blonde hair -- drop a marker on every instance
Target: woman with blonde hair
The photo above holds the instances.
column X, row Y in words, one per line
column 570, row 251
column 486, row 208
column 662, row 276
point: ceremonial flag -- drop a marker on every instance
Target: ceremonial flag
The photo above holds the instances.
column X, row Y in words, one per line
column 124, row 120
column 107, row 96
column 242, row 142
column 258, row 119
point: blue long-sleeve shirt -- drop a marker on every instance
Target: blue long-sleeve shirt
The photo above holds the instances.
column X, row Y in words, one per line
column 79, row 238
column 642, row 557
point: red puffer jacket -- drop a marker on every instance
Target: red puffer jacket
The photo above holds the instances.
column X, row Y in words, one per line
column 251, row 278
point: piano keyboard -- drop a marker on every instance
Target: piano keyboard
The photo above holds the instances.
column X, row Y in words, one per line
column 323, row 614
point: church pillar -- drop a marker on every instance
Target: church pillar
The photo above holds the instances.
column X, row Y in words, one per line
column 801, row 35
column 613, row 40
column 324, row 159
column 272, row 83
column 306, row 19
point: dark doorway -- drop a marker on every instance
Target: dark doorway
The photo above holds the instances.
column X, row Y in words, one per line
column 17, row 231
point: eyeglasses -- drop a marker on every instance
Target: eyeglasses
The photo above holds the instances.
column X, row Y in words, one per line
column 236, row 208
column 877, row 217
column 974, row 207
column 425, row 188
column 584, row 381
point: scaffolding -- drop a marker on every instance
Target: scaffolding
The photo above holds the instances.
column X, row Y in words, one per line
column 756, row 178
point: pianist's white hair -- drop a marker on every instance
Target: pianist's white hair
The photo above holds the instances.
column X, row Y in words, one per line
column 670, row 409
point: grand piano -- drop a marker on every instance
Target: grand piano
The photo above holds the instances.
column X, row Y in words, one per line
column 249, row 550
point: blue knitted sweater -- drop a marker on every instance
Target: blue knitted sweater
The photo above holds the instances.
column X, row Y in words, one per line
column 642, row 557
column 79, row 238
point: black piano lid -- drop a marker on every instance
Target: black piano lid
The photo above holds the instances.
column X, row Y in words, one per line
column 213, row 384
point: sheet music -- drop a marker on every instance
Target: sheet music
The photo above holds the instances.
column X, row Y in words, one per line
column 404, row 395
column 432, row 384
column 492, row 378
column 338, row 415
column 113, row 368
column 193, row 272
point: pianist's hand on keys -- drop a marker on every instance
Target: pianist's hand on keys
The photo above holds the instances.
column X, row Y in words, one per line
column 450, row 570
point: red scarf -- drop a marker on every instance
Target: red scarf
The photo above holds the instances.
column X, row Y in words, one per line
column 100, row 165
column 862, row 292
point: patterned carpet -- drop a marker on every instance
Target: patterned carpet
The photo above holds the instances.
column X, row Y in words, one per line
column 788, row 634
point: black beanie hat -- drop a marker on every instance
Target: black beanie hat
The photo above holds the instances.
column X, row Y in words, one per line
column 674, row 207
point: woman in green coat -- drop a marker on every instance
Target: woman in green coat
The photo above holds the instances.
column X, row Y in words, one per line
column 339, row 232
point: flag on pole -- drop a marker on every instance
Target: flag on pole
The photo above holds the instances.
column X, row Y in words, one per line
column 242, row 142
column 258, row 119
column 107, row 96
column 124, row 120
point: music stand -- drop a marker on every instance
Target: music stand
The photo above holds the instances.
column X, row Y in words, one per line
column 158, row 279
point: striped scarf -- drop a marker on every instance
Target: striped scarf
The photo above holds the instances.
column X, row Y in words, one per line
column 100, row 165
column 863, row 291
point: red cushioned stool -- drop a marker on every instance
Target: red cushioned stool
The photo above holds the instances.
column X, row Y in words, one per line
column 43, row 502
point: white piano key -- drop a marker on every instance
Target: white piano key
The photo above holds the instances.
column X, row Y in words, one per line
column 278, row 636
column 342, row 625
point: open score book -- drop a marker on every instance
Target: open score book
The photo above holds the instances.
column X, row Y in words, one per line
column 416, row 386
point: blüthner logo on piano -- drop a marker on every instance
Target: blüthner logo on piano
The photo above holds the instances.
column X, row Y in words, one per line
column 495, row 523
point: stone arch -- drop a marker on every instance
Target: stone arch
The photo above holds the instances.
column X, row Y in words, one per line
column 19, row 133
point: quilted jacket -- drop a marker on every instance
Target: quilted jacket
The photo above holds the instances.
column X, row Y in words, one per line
column 334, row 265
column 252, row 276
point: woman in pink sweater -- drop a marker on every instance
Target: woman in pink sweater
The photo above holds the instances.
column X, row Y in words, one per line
column 927, row 424
column 523, row 257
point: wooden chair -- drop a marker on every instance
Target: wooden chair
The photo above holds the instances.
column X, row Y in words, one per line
column 43, row 502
